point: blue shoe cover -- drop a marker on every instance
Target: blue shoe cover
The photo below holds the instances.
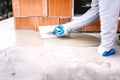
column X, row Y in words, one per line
column 108, row 53
column 58, row 30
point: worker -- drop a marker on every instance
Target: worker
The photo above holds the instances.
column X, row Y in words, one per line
column 108, row 13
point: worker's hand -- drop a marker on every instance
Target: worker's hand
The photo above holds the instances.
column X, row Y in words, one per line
column 60, row 31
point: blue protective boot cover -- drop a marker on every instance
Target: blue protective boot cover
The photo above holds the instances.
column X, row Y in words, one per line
column 107, row 53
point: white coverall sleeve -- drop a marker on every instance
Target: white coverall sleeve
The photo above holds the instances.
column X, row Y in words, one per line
column 90, row 16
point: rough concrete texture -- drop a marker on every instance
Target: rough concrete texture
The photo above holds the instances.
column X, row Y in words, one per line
column 25, row 56
column 49, row 62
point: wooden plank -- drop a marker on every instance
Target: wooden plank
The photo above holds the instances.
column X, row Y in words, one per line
column 43, row 21
column 60, row 7
column 25, row 23
column 92, row 27
column 33, row 7
column 119, row 26
column 96, row 27
column 52, row 21
column 16, row 7
column 64, row 20
column 29, row 8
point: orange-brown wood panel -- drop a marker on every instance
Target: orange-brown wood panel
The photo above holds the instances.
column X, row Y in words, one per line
column 47, row 21
column 16, row 7
column 64, row 20
column 25, row 23
column 60, row 7
column 96, row 27
column 92, row 27
column 119, row 26
column 33, row 7
column 52, row 21
column 29, row 8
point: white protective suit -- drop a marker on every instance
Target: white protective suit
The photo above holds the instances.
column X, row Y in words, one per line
column 108, row 13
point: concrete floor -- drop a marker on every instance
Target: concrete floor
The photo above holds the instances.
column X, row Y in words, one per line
column 24, row 55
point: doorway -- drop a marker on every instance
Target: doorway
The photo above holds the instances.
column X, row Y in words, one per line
column 81, row 6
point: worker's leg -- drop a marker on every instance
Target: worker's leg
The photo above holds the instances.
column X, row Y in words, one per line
column 109, row 14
